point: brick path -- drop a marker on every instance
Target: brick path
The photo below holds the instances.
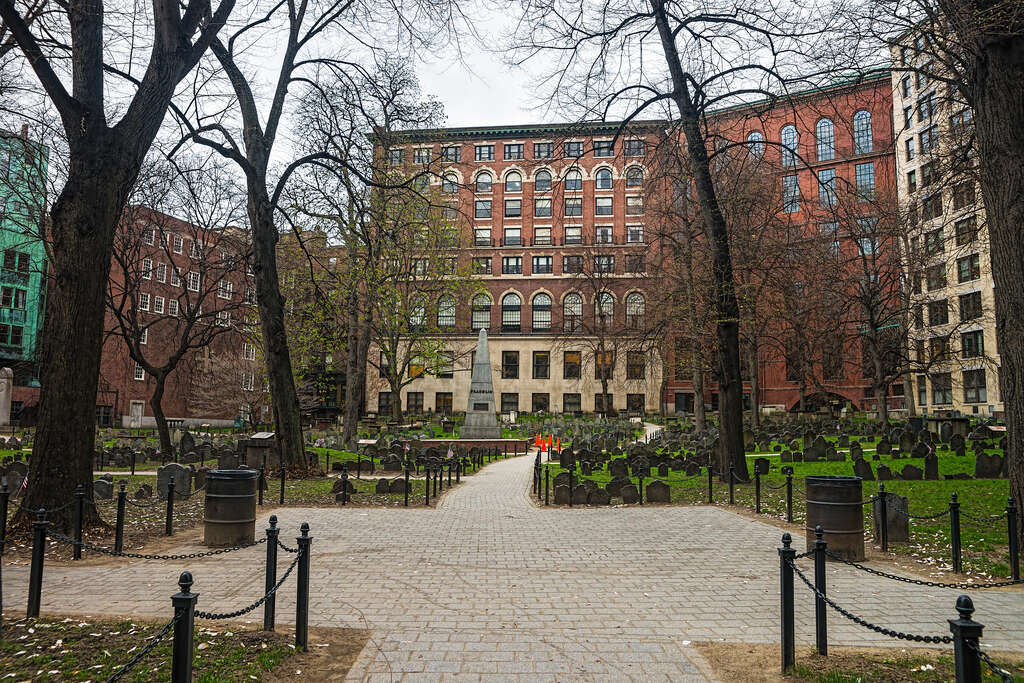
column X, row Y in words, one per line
column 489, row 584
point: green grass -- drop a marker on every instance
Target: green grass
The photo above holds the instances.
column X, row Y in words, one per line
column 984, row 542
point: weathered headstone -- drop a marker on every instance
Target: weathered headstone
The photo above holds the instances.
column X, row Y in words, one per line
column 884, row 473
column 145, row 492
column 658, row 492
column 931, row 467
column 618, row 468
column 785, row 455
column 988, row 466
column 832, row 454
column 579, row 495
column 907, row 441
column 102, row 489
column 856, row 451
column 397, row 485
column 761, row 465
column 911, row 473
column 862, row 469
column 897, row 521
column 181, row 475
column 883, row 447
column 598, row 497
column 629, row 493
column 382, row 486
column 920, row 450
column 562, row 495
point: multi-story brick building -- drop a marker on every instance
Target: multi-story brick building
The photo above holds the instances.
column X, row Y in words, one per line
column 952, row 337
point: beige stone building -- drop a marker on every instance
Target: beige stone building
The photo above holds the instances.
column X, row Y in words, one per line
column 952, row 333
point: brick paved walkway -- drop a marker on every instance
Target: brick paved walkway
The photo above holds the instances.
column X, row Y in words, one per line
column 489, row 584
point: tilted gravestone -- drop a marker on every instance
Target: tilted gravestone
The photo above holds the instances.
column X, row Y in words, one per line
column 397, row 485
column 862, row 469
column 920, row 450
column 897, row 522
column 181, row 475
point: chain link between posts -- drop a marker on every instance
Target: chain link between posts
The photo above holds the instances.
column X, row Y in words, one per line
column 215, row 616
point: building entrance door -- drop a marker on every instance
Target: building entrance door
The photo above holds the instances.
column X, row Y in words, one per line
column 135, row 414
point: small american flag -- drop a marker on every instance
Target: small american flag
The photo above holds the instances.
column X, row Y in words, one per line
column 450, row 452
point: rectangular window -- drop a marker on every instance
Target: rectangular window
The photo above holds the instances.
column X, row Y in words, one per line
column 571, row 362
column 542, row 236
column 936, row 277
column 175, row 278
column 225, row 289
column 451, row 154
column 573, row 206
column 542, row 207
column 572, row 403
column 482, row 265
column 911, row 182
column 603, row 234
column 634, row 206
column 938, row 312
column 573, row 150
column 905, row 86
column 224, row 318
column 140, row 374
column 395, row 156
column 484, row 153
column 541, row 365
column 510, row 365
column 604, row 365
column 938, row 347
column 865, row 176
column 512, row 265
column 513, row 208
column 635, row 365
column 635, row 233
column 158, row 304
column 919, row 315
column 603, row 148
column 635, row 263
column 543, row 150
column 196, row 250
column 635, row 148
column 963, row 195
column 482, row 237
column 483, row 208
column 604, row 264
column 933, row 242
column 909, row 148
column 421, row 156
column 541, row 265
column 509, row 403
column 929, row 140
column 970, row 306
column 827, row 187
column 572, row 264
column 603, row 206
column 540, row 403
column 974, row 386
column 511, row 317
column 929, row 173
column 443, row 403
column 790, row 194
column 17, row 335
column 147, row 268
column 144, row 336
column 513, row 152
column 143, row 301
column 248, row 351
column 513, row 237
column 384, row 402
column 908, row 117
column 193, row 281
column 414, row 402
column 573, row 234
column 172, row 307
column 968, row 268
column 161, row 272
column 931, row 207
column 603, row 403
column 866, row 246
column 972, row 344
column 922, row 390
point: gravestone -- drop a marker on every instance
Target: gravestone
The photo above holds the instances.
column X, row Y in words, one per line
column 897, row 522
column 481, row 422
column 562, row 495
column 920, row 450
column 343, row 484
column 856, row 451
column 658, row 492
column 102, row 489
column 761, row 465
column 227, row 460
column 579, row 495
column 988, row 466
column 785, row 455
column 931, row 467
column 862, row 469
column 907, row 441
column 912, row 473
column 614, row 487
column 832, row 454
column 382, row 486
column 598, row 497
column 181, row 475
column 958, row 475
column 145, row 492
column 397, row 485
column 629, row 493
column 945, row 431
column 187, row 443
column 199, row 477
column 883, row 447
column 561, row 479
column 884, row 473
column 618, row 468
column 843, row 441
column 956, row 443
column 663, row 470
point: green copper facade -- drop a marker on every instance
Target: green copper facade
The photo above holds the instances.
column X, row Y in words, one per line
column 23, row 262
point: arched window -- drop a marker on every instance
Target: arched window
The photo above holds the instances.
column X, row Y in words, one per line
column 481, row 312
column 417, row 315
column 542, row 182
column 755, row 143
column 446, row 312
column 511, row 313
column 604, row 309
column 572, row 313
column 573, row 180
column 541, row 312
column 635, row 177
column 483, row 182
column 603, row 179
column 862, row 135
column 635, row 308
column 789, row 140
column 825, row 133
column 513, row 182
column 449, row 184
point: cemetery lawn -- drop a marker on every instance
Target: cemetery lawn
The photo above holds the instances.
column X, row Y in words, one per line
column 983, row 538
column 72, row 649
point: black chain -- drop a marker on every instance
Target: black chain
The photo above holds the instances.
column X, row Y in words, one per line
column 190, row 556
column 141, row 505
column 214, row 616
column 983, row 519
column 867, row 624
column 922, row 582
column 996, row 669
column 144, row 651
column 924, row 517
column 772, row 488
column 65, row 506
column 187, row 496
column 286, row 548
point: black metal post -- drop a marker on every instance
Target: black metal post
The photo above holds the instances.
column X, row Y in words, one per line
column 788, row 635
column 35, row 576
column 5, row 496
column 572, row 483
column 270, row 604
column 122, row 497
column 302, row 590
column 449, row 474
column 437, row 479
column 883, row 519
column 282, row 485
column 966, row 634
column 184, row 630
column 133, row 463
column 711, row 490
column 789, row 497
column 1011, row 530
column 757, row 491
column 359, row 465
column 547, row 484
column 641, row 488
column 76, row 553
column 426, row 472
column 168, row 520
column 406, row 483
column 458, row 469
column 732, row 484
column 344, row 484
column 262, row 483
column 954, row 532
column 820, row 613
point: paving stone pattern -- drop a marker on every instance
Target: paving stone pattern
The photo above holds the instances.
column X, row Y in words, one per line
column 490, row 585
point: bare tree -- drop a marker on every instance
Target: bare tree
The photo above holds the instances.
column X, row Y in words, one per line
column 68, row 54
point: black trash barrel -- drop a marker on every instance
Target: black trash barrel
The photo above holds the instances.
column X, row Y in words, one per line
column 835, row 503
column 230, row 507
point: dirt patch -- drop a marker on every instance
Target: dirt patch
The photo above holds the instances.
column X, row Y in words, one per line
column 760, row 663
column 332, row 652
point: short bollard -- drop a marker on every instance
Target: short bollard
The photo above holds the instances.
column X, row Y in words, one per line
column 547, row 483
column 757, row 492
column 184, row 629
column 883, row 521
column 133, row 463
column 732, row 484
column 711, row 492
column 572, row 479
column 282, row 485
column 302, row 590
column 437, row 480
column 789, row 495
column 640, row 489
column 406, row 484
column 1011, row 530
column 344, row 484
column 820, row 614
column 458, row 470
column 786, row 555
column 270, row 604
column 35, row 576
column 954, row 532
column 966, row 634
column 450, row 463
column 76, row 553
column 5, row 496
column 262, row 483
column 169, row 519
column 426, row 500
column 122, row 496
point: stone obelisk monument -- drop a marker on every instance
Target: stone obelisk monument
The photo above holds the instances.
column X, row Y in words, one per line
column 481, row 422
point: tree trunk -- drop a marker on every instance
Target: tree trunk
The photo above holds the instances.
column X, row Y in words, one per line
column 349, row 429
column 700, row 420
column 288, row 426
column 82, row 224
column 156, row 404
column 755, row 386
column 999, row 118
column 396, row 397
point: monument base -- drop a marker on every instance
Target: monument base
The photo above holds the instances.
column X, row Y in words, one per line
column 468, row 431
